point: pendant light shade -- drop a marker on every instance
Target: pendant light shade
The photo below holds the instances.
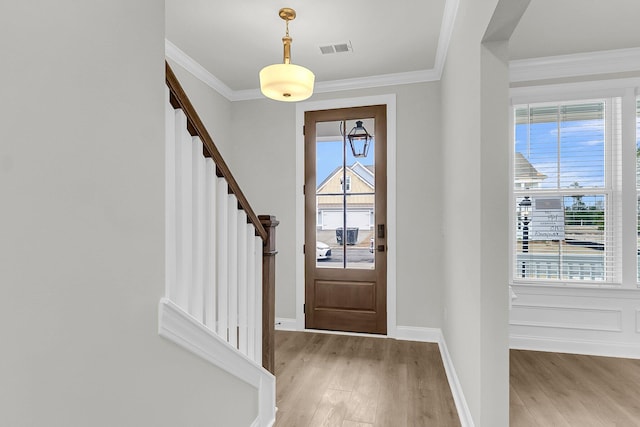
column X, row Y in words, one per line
column 286, row 82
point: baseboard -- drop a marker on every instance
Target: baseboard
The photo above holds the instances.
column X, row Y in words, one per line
column 454, row 384
column 415, row 333
column 285, row 324
column 564, row 345
column 256, row 423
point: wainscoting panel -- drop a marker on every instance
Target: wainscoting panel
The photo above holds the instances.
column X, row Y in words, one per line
column 567, row 317
column 598, row 321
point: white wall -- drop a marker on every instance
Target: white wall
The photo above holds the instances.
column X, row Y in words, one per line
column 475, row 170
column 81, row 226
column 265, row 147
column 494, row 157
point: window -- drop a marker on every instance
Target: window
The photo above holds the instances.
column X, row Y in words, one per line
column 348, row 186
column 566, row 187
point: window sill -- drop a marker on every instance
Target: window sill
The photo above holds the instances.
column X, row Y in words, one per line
column 571, row 289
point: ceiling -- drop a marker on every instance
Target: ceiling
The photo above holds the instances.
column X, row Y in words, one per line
column 233, row 40
column 561, row 27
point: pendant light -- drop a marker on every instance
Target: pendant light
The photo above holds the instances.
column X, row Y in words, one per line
column 286, row 82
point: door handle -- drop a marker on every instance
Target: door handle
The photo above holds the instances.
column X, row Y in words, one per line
column 381, row 248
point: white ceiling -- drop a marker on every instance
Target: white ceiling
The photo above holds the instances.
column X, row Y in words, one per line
column 233, row 40
column 561, row 27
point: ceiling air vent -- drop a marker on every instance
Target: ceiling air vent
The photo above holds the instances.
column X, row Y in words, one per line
column 336, row 48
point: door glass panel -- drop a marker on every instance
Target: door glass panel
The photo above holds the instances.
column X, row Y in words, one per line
column 360, row 246
column 345, row 195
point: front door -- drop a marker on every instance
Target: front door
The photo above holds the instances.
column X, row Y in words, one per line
column 345, row 220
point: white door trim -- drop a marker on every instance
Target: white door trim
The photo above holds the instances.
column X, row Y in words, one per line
column 390, row 101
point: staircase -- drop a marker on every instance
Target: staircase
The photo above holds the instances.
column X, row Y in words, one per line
column 220, row 258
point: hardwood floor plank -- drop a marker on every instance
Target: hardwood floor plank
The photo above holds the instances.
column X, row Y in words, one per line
column 302, row 380
column 346, row 365
column 348, row 423
column 518, row 413
column 360, row 381
column 581, row 390
column 392, row 402
column 525, row 379
column 363, row 403
column 331, row 409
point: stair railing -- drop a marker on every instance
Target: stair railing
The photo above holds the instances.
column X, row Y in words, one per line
column 220, row 254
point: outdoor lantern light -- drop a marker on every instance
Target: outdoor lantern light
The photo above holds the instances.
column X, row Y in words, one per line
column 525, row 208
column 525, row 217
column 359, row 140
column 286, row 82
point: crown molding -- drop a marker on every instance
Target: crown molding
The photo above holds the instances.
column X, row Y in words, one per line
column 410, row 77
column 579, row 64
column 446, row 31
column 178, row 56
column 573, row 91
column 185, row 61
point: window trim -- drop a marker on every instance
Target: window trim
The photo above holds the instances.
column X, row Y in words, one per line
column 628, row 90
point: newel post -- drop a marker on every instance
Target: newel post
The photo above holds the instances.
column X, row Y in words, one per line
column 269, row 292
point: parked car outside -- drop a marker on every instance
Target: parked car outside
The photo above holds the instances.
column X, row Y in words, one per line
column 323, row 251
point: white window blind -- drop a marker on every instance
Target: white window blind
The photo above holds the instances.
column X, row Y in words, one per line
column 566, row 161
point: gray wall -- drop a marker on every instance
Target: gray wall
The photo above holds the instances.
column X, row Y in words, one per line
column 475, row 162
column 263, row 159
column 82, row 226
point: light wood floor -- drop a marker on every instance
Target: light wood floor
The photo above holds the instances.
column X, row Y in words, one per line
column 555, row 389
column 346, row 381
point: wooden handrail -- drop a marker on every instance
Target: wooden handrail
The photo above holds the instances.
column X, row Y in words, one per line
column 180, row 100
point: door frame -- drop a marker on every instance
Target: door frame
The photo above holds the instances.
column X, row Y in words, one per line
column 390, row 101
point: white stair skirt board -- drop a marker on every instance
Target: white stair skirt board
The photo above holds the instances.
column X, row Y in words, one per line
column 411, row 333
column 178, row 326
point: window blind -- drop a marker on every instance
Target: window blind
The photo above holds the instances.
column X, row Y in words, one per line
column 566, row 191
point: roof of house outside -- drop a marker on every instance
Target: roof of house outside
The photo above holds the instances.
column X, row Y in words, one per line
column 524, row 171
column 363, row 172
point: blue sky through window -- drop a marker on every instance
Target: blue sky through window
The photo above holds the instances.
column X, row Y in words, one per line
column 567, row 152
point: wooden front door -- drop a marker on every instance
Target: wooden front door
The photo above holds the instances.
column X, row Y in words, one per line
column 345, row 221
